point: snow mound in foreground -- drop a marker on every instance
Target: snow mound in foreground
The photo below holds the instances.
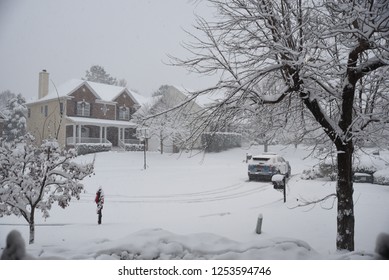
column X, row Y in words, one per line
column 159, row 244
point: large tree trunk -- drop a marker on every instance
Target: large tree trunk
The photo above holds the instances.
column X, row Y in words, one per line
column 344, row 191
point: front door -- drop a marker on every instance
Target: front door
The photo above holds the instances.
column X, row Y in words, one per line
column 112, row 135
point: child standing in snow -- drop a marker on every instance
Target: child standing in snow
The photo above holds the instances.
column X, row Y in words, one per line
column 99, row 201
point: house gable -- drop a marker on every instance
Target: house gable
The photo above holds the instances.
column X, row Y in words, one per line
column 123, row 101
column 125, row 98
column 98, row 108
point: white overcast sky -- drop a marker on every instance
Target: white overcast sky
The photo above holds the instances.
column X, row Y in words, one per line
column 129, row 38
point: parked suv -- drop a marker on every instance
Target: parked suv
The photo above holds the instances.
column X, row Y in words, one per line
column 263, row 167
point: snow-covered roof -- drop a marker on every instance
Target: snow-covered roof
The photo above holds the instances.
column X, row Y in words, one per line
column 62, row 90
column 202, row 100
column 139, row 98
column 103, row 92
column 98, row 122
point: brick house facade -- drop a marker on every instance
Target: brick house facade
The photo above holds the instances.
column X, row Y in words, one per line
column 82, row 112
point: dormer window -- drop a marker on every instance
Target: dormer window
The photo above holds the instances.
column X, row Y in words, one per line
column 124, row 113
column 83, row 109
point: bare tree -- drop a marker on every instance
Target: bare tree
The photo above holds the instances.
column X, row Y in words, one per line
column 163, row 122
column 329, row 55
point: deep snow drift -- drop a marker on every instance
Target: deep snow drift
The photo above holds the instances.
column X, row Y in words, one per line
column 202, row 207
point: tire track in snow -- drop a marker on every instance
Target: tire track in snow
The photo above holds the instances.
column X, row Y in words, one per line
column 218, row 194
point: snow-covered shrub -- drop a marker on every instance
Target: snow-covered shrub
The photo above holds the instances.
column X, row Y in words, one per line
column 321, row 171
column 381, row 177
column 311, row 174
column 368, row 163
column 83, row 149
column 134, row 147
column 328, row 169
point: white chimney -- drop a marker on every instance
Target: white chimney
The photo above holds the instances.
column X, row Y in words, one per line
column 43, row 89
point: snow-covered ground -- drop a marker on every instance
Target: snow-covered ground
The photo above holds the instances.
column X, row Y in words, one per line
column 202, row 207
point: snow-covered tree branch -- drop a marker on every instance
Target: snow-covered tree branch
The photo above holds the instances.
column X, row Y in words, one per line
column 326, row 55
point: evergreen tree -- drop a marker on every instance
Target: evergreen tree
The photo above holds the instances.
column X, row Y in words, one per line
column 5, row 96
column 97, row 74
column 161, row 90
column 15, row 124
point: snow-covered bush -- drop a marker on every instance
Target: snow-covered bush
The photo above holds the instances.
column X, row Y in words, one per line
column 368, row 163
column 324, row 169
column 311, row 174
column 134, row 147
column 328, row 169
column 381, row 177
column 83, row 149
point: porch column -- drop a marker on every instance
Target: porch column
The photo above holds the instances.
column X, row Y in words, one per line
column 119, row 134
column 74, row 134
column 79, row 133
column 101, row 134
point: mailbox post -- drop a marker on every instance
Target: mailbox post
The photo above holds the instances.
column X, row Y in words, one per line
column 143, row 136
column 279, row 183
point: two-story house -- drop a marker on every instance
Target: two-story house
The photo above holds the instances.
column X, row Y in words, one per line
column 82, row 112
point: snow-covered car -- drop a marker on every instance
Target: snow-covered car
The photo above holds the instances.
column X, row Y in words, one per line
column 263, row 167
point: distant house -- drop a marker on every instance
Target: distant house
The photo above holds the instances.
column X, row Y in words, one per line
column 84, row 113
column 168, row 130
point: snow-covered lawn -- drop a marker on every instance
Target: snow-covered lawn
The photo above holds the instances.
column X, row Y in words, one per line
column 202, row 207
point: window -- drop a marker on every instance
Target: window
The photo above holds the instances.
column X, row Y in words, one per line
column 83, row 109
column 46, row 110
column 124, row 113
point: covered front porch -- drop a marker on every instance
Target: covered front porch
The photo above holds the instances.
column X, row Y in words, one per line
column 100, row 132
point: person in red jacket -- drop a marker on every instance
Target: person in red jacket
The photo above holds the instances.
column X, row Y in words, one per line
column 99, row 202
